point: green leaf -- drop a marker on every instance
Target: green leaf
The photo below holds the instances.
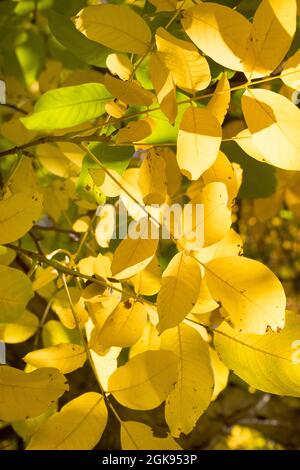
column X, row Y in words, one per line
column 31, row 56
column 67, row 107
column 15, row 293
column 67, row 35
column 114, row 158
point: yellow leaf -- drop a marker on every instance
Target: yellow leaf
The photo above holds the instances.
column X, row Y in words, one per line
column 107, row 183
column 79, row 425
column 145, row 381
column 246, row 142
column 250, row 293
column 6, row 255
column 138, row 436
column 269, row 362
column 272, row 32
column 16, row 132
column 106, row 364
column 273, row 121
column 133, row 255
column 61, row 307
column 20, row 329
column 116, row 27
column 221, row 373
column 128, row 92
column 221, row 171
column 152, row 179
column 217, row 216
column 149, row 341
column 81, row 225
column 219, row 103
column 72, row 152
column 179, row 291
column 64, row 357
column 219, row 31
column 198, row 143
column 119, row 64
column 122, row 328
column 164, row 86
column 290, row 74
column 18, row 213
column 192, row 392
column 27, row 427
column 230, row 245
column 172, row 170
column 53, row 159
column 28, row 394
column 115, row 109
column 134, row 131
column 189, row 69
column 148, row 281
column 44, row 277
column 54, row 332
column 15, row 293
column 205, row 303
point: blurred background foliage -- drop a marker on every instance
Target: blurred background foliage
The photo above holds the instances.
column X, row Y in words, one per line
column 40, row 49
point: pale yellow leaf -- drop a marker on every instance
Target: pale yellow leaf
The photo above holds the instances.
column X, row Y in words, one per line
column 250, row 293
column 153, row 179
column 15, row 293
column 193, row 390
column 115, row 26
column 179, row 291
column 16, row 132
column 189, row 69
column 106, row 364
column 198, row 142
column 272, row 32
column 28, row 394
column 221, row 171
column 119, row 64
column 245, row 141
column 217, row 215
column 79, row 425
column 290, row 74
column 44, row 277
column 18, row 213
column 138, row 436
column 219, row 103
column 133, row 255
column 164, row 86
column 64, row 357
column 53, row 159
column 128, row 92
column 270, row 362
column 219, row 31
column 134, row 131
column 148, row 281
column 122, row 328
column 205, row 303
column 20, row 329
column 149, row 341
column 221, row 373
column 145, row 381
column 172, row 170
column 273, row 121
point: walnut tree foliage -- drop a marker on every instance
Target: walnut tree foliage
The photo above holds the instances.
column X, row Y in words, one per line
column 161, row 102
